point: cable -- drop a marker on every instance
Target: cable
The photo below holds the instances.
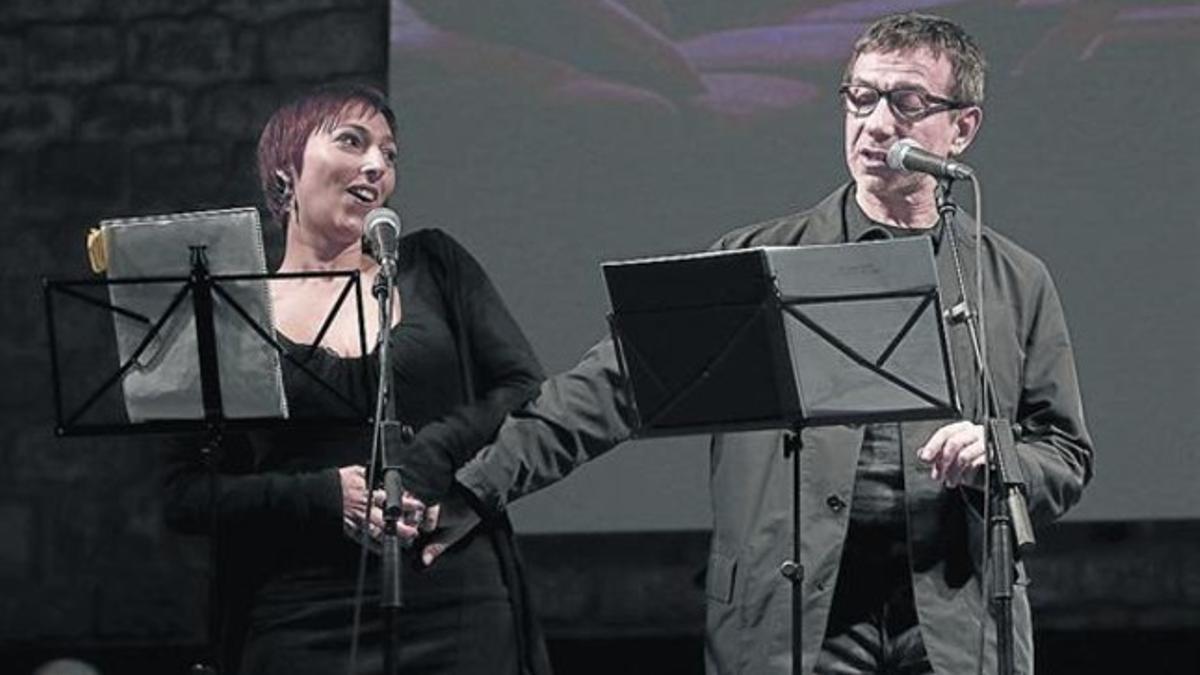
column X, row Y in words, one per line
column 986, row 393
column 986, row 403
column 382, row 392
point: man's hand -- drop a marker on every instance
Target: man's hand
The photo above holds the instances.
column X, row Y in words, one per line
column 457, row 519
column 955, row 453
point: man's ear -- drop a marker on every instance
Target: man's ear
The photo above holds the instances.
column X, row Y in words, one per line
column 966, row 126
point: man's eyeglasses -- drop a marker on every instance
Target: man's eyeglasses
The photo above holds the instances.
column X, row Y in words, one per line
column 906, row 103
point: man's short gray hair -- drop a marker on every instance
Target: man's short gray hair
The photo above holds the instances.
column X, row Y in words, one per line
column 912, row 31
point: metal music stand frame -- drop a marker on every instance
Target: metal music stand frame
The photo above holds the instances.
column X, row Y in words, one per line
column 778, row 306
column 203, row 288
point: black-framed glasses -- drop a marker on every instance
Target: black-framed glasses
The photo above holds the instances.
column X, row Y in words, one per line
column 907, row 103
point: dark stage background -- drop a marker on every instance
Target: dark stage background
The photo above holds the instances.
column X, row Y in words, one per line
column 548, row 137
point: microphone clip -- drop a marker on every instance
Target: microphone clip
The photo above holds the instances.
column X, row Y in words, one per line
column 382, row 286
column 960, row 313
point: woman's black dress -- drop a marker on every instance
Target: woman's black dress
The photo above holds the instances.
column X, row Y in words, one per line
column 288, row 568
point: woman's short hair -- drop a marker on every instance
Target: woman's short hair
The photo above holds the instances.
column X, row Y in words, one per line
column 283, row 139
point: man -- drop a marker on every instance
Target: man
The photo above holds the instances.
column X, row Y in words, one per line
column 892, row 527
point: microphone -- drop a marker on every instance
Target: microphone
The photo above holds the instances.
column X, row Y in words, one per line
column 382, row 226
column 907, row 155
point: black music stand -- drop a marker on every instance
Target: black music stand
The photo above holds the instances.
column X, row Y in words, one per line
column 92, row 410
column 220, row 309
column 782, row 338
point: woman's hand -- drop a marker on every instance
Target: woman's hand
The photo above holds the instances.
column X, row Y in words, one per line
column 354, row 503
column 414, row 518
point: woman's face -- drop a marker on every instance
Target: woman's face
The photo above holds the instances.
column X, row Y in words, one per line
column 349, row 169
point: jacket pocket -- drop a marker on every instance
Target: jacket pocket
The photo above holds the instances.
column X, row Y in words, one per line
column 720, row 578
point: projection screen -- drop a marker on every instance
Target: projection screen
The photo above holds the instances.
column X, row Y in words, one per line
column 551, row 135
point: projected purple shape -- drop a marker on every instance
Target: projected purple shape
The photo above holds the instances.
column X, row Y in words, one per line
column 773, row 48
column 866, row 10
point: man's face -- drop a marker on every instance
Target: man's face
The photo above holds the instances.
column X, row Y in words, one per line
column 868, row 137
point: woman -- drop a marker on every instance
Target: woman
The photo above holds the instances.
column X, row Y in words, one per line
column 289, row 522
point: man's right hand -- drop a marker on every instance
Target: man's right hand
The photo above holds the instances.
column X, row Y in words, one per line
column 450, row 522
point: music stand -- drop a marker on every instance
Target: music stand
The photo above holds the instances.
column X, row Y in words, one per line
column 186, row 296
column 782, row 338
column 210, row 365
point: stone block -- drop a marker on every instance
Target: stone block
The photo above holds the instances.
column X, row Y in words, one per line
column 12, row 58
column 141, row 541
column 235, row 112
column 75, row 521
column 272, row 10
column 135, row 113
column 12, row 171
column 51, row 10
column 59, row 610
column 83, row 339
column 28, row 120
column 190, row 51
column 72, row 54
column 68, row 179
column 27, row 394
column 50, row 245
column 23, row 332
column 37, row 456
column 149, row 605
column 137, row 9
column 325, row 46
column 18, row 550
column 242, row 177
column 179, row 177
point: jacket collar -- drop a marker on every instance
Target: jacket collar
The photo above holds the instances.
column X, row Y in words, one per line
column 860, row 227
column 856, row 226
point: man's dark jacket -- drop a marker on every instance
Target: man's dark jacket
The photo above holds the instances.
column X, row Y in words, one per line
column 584, row 412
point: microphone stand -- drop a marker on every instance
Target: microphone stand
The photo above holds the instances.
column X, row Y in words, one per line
column 792, row 569
column 1009, row 519
column 391, row 434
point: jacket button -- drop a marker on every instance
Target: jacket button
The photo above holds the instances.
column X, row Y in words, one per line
column 835, row 503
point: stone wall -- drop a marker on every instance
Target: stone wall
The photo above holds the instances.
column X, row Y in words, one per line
column 115, row 108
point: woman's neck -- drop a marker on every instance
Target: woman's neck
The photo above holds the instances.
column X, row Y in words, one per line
column 305, row 252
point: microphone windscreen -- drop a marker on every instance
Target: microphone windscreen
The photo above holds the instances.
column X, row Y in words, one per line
column 381, row 217
column 381, row 235
column 896, row 153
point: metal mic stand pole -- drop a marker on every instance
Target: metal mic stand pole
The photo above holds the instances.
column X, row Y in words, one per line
column 391, row 434
column 793, row 570
column 201, row 285
column 1006, row 499
column 211, row 456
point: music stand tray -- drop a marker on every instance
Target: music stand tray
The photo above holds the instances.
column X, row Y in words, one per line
column 187, row 301
column 782, row 337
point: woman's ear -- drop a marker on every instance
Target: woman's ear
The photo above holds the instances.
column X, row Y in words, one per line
column 284, row 190
column 283, row 183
